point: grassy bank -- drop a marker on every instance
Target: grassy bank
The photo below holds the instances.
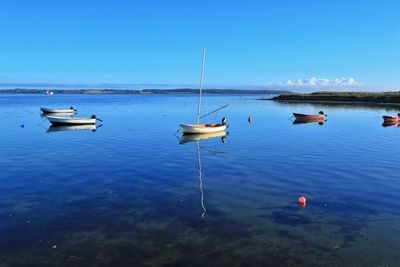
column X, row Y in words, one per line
column 342, row 97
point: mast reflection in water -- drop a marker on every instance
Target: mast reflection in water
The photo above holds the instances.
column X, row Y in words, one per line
column 198, row 138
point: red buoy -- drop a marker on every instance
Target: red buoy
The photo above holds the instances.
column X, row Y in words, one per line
column 302, row 201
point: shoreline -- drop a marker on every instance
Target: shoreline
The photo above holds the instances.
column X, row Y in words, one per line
column 333, row 102
column 143, row 92
column 341, row 98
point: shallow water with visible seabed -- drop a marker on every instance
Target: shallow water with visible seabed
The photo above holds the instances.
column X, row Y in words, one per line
column 129, row 193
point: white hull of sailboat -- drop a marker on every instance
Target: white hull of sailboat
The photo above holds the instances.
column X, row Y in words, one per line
column 58, row 120
column 201, row 128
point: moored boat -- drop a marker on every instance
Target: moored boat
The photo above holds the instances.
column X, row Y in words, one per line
column 319, row 116
column 203, row 128
column 60, row 120
column 52, row 110
column 392, row 118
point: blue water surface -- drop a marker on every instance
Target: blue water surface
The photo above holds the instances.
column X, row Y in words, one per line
column 129, row 193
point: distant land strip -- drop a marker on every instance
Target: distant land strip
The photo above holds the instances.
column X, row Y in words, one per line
column 144, row 91
column 341, row 97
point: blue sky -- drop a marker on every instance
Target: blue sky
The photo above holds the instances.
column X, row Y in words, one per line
column 160, row 42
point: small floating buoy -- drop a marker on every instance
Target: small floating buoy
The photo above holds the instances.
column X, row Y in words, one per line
column 302, row 201
column 249, row 119
column 22, row 126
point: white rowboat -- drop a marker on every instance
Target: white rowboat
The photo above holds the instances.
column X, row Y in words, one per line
column 59, row 120
column 201, row 128
column 65, row 111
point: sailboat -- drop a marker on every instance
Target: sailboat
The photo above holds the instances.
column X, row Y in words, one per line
column 203, row 128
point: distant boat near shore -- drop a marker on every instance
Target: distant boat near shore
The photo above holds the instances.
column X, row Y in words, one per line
column 392, row 118
column 49, row 92
column 320, row 116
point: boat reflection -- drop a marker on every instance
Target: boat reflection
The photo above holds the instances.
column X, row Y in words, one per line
column 390, row 123
column 200, row 181
column 186, row 138
column 87, row 127
column 198, row 138
column 320, row 121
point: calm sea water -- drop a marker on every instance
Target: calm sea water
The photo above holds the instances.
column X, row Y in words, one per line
column 130, row 194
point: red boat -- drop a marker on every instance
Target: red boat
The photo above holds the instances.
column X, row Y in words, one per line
column 320, row 116
column 392, row 118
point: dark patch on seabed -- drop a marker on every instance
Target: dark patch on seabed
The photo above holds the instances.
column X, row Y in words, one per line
column 170, row 232
column 150, row 230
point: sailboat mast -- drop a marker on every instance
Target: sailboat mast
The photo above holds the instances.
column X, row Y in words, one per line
column 201, row 85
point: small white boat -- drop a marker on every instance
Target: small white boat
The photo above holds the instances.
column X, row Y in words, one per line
column 203, row 128
column 60, row 120
column 65, row 111
column 49, row 92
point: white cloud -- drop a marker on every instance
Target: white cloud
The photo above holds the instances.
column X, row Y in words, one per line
column 322, row 82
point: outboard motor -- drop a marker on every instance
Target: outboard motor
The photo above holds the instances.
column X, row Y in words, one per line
column 94, row 117
column 223, row 121
column 322, row 113
column 71, row 107
column 398, row 114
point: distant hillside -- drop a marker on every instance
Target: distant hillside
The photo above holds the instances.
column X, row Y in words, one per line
column 144, row 91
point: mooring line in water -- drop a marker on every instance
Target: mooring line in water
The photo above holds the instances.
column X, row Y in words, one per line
column 40, row 124
column 177, row 131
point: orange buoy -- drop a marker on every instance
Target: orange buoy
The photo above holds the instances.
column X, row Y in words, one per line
column 302, row 201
